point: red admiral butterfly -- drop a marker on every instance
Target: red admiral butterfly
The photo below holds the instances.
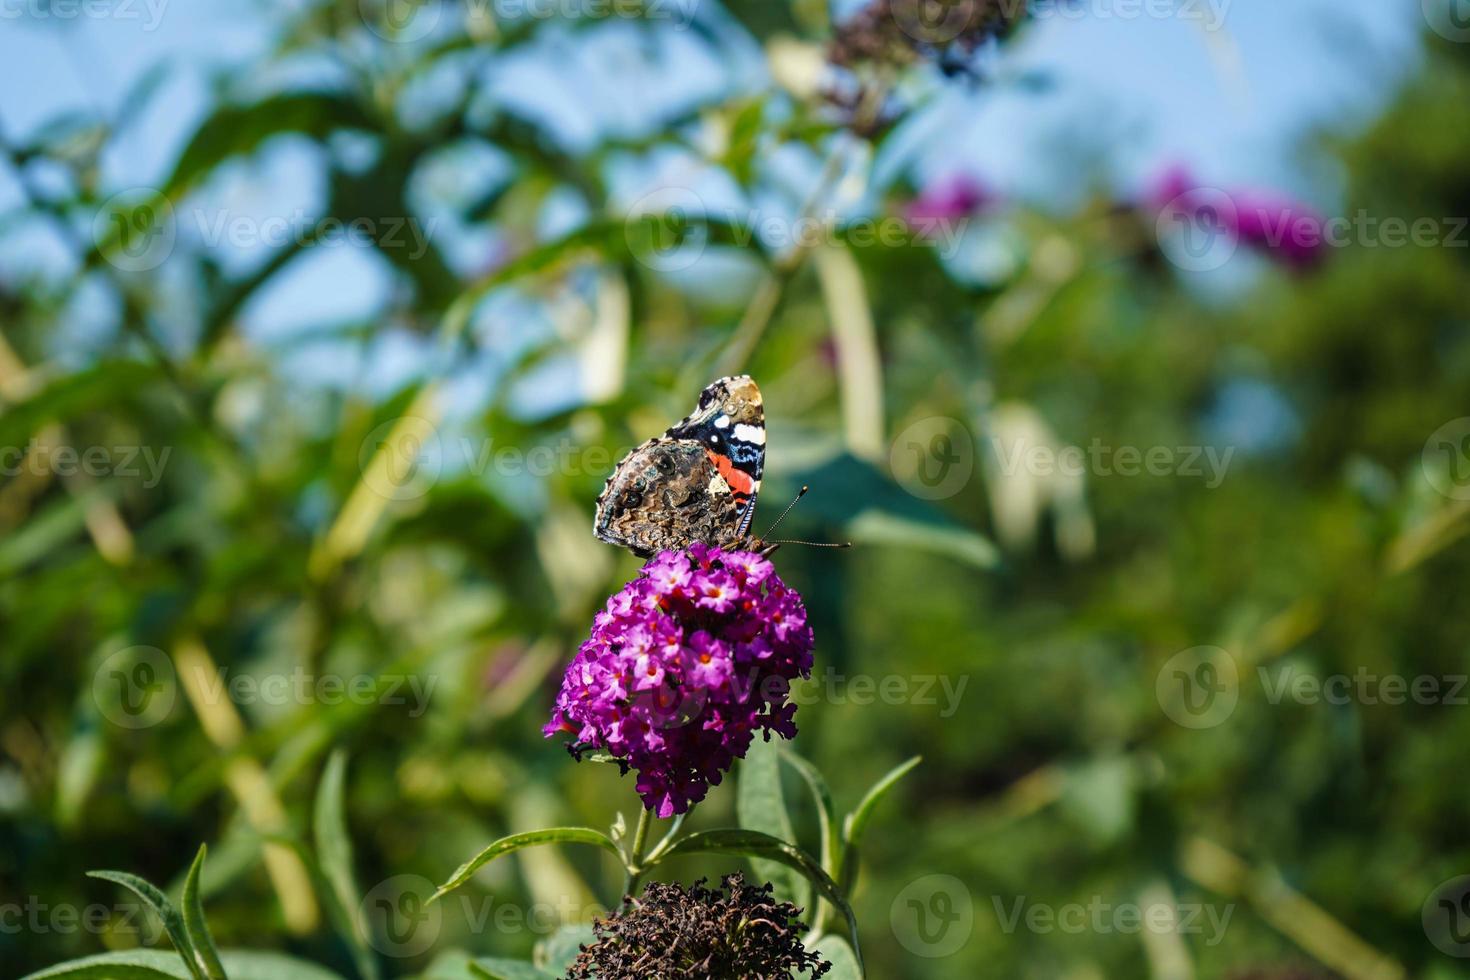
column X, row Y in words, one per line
column 696, row 482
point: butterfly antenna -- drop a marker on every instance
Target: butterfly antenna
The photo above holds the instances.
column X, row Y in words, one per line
column 799, row 494
column 815, row 544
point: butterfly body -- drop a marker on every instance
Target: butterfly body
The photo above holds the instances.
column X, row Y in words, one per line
column 696, row 482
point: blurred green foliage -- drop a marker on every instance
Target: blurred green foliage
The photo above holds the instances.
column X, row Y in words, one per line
column 271, row 547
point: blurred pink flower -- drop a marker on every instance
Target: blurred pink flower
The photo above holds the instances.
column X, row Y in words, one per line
column 1288, row 231
column 949, row 199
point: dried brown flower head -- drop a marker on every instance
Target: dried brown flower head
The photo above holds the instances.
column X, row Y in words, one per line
column 735, row 932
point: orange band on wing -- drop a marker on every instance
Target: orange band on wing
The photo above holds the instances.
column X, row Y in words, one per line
column 741, row 483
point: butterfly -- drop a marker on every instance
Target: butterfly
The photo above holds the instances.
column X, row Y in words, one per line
column 696, row 482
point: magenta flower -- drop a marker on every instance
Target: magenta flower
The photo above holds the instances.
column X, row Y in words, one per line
column 685, row 665
column 951, row 199
column 1269, row 222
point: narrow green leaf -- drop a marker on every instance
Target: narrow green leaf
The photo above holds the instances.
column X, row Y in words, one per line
column 157, row 964
column 752, row 843
column 498, row 968
column 554, row 835
column 760, row 805
column 822, row 797
column 206, row 957
column 133, row 964
column 173, row 922
column 879, row 527
column 334, row 857
column 857, row 821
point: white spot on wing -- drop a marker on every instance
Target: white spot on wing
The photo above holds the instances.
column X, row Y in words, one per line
column 753, row 434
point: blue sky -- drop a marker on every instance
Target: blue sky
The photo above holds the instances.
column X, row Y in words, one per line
column 1231, row 87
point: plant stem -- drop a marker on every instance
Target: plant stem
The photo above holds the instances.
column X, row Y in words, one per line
column 635, row 853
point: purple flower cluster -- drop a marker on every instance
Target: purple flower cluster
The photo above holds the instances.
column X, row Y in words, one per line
column 687, row 662
column 1271, row 223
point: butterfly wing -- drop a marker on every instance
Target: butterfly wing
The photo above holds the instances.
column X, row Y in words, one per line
column 698, row 482
column 730, row 423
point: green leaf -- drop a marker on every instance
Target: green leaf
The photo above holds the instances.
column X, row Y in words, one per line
column 822, row 797
column 206, row 957
column 554, row 835
column 157, row 964
column 499, row 968
column 755, row 844
column 857, row 821
column 249, row 964
column 334, row 857
column 556, row 953
column 133, row 964
column 840, row 955
column 760, row 805
column 173, row 922
column 957, row 542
